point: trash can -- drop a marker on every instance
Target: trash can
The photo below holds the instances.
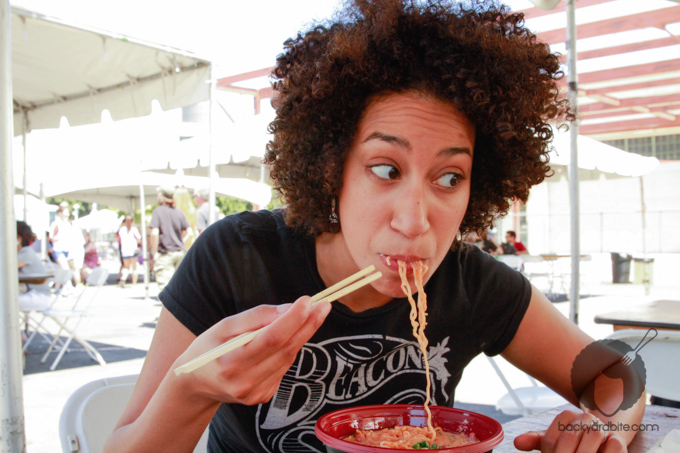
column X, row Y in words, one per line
column 621, row 268
column 641, row 267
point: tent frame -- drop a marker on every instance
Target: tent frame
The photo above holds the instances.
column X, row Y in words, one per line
column 185, row 70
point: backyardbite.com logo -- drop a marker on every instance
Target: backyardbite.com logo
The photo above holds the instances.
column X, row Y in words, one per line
column 616, row 360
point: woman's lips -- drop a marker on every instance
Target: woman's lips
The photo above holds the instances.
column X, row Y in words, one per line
column 391, row 261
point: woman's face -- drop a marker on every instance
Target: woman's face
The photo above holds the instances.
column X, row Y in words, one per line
column 406, row 185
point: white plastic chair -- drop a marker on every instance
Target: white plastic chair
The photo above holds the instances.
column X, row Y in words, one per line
column 661, row 356
column 78, row 311
column 525, row 400
column 92, row 411
column 30, row 318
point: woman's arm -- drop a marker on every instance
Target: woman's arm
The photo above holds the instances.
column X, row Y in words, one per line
column 545, row 346
column 170, row 413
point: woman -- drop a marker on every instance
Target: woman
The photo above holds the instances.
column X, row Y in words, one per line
column 129, row 239
column 60, row 235
column 32, row 296
column 91, row 260
column 399, row 128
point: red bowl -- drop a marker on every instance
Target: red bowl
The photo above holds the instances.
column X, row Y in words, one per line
column 330, row 428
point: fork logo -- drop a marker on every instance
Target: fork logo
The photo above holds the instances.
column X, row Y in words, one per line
column 616, row 365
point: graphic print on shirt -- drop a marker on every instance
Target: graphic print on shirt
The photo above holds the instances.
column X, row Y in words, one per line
column 344, row 372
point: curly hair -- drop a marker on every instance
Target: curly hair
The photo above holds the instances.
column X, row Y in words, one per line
column 479, row 57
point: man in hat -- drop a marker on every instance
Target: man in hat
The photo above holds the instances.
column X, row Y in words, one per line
column 169, row 227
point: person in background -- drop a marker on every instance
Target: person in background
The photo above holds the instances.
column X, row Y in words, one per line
column 48, row 249
column 31, row 296
column 60, row 235
column 129, row 239
column 511, row 240
column 169, row 227
column 76, row 253
column 489, row 245
column 201, row 197
column 92, row 260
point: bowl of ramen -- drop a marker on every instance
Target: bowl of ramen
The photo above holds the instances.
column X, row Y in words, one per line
column 398, row 427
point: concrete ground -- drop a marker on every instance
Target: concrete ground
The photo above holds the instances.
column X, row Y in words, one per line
column 122, row 322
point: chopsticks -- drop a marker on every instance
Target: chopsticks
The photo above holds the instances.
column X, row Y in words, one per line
column 335, row 292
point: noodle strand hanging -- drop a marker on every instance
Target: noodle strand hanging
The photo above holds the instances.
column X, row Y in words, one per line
column 418, row 322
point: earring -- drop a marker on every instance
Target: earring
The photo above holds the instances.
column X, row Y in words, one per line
column 333, row 217
column 459, row 236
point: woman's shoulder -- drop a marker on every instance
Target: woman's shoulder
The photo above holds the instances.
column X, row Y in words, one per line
column 469, row 259
column 466, row 251
column 262, row 228
column 254, row 222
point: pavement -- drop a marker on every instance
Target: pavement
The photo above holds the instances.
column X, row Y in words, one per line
column 122, row 322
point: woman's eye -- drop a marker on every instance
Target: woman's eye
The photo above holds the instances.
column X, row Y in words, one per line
column 448, row 180
column 385, row 171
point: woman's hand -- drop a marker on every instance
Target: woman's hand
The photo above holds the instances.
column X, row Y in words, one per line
column 570, row 432
column 251, row 374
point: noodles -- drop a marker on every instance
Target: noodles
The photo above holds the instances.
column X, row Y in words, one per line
column 410, row 438
column 418, row 323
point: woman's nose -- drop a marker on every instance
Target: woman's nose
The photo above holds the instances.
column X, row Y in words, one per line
column 410, row 213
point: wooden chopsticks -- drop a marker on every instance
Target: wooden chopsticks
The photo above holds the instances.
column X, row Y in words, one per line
column 335, row 292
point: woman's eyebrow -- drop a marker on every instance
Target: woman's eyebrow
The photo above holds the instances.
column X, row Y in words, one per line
column 389, row 139
column 454, row 151
column 407, row 145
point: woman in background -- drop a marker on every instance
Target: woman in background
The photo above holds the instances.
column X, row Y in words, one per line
column 129, row 238
column 31, row 296
column 91, row 257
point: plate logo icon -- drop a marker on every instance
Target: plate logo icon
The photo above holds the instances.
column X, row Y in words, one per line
column 617, row 361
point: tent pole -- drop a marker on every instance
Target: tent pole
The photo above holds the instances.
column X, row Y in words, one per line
column 145, row 254
column 211, row 160
column 43, row 234
column 643, row 211
column 572, row 82
column 11, row 380
column 23, row 138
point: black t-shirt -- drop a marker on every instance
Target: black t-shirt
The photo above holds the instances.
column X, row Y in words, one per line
column 475, row 305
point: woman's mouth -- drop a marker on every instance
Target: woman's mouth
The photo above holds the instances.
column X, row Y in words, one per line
column 392, row 261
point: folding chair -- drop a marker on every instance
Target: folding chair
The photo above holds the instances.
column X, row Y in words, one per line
column 92, row 411
column 525, row 400
column 78, row 311
column 61, row 277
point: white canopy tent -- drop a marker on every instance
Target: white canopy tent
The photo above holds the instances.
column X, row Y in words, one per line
column 117, row 190
column 49, row 70
column 595, row 155
column 59, row 69
column 104, row 220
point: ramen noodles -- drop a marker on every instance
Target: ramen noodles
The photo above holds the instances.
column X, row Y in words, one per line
column 418, row 322
column 410, row 438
